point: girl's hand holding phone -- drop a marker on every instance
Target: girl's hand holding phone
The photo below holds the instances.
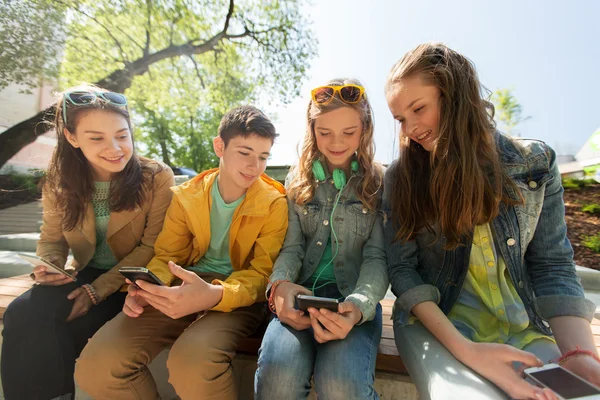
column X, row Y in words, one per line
column 495, row 363
column 43, row 276
column 337, row 324
column 285, row 299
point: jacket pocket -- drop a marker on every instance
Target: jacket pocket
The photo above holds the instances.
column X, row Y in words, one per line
column 360, row 219
column 309, row 216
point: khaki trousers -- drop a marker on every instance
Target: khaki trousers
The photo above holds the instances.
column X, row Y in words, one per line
column 114, row 364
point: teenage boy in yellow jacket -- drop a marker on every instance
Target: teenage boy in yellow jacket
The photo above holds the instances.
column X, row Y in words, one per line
column 225, row 227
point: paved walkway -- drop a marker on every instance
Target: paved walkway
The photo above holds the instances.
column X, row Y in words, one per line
column 25, row 218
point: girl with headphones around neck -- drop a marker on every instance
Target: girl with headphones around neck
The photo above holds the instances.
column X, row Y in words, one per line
column 333, row 248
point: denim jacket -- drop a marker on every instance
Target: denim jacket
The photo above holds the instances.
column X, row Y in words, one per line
column 360, row 266
column 531, row 237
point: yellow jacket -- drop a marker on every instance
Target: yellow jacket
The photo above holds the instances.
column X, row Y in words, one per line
column 258, row 228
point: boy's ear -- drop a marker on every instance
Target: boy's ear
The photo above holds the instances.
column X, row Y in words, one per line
column 72, row 139
column 219, row 146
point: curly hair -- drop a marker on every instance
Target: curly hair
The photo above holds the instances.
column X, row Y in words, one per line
column 302, row 186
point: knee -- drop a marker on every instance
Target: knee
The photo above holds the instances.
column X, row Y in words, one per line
column 343, row 385
column 190, row 360
column 17, row 315
column 100, row 361
column 282, row 373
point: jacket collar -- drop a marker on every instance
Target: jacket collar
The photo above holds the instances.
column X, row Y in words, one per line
column 258, row 195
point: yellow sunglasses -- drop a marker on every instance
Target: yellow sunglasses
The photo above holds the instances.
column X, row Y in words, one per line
column 350, row 94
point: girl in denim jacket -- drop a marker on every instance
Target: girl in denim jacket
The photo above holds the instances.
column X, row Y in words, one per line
column 477, row 245
column 333, row 248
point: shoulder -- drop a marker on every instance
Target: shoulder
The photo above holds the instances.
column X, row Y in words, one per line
column 390, row 173
column 524, row 151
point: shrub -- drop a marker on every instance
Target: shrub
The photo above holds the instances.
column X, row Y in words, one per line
column 592, row 242
column 591, row 208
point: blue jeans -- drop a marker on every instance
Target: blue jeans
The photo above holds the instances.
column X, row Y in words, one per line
column 342, row 369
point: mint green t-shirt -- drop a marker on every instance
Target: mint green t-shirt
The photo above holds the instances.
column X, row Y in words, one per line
column 103, row 256
column 216, row 259
column 324, row 272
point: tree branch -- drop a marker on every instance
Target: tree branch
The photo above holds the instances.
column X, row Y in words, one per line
column 147, row 46
column 117, row 43
column 197, row 71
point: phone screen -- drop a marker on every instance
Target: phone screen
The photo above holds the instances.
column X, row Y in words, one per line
column 564, row 383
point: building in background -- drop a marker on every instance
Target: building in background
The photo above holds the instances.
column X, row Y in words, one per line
column 16, row 106
column 586, row 163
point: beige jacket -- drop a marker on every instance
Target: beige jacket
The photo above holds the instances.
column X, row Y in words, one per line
column 131, row 234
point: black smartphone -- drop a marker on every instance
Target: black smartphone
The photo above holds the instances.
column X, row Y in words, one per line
column 303, row 302
column 140, row 273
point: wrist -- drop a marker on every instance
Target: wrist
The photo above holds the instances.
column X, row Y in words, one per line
column 91, row 292
column 462, row 349
column 271, row 300
column 576, row 353
column 216, row 294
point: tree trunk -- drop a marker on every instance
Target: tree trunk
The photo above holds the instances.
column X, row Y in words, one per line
column 18, row 136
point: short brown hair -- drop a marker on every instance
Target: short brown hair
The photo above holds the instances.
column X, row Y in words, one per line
column 246, row 121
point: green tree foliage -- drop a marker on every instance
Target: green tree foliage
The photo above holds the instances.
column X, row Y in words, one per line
column 31, row 39
column 508, row 110
column 182, row 63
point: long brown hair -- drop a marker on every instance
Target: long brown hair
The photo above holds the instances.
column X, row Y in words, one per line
column 70, row 180
column 457, row 185
column 302, row 187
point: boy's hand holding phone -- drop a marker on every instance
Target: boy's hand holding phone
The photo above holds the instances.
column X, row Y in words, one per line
column 285, row 299
column 134, row 304
column 193, row 296
column 337, row 324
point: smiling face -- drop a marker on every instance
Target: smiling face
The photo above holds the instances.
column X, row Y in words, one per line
column 104, row 138
column 337, row 134
column 416, row 106
column 242, row 162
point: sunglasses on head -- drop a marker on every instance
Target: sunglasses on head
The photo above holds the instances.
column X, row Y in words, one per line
column 350, row 94
column 82, row 98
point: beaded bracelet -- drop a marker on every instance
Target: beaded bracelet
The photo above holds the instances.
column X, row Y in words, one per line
column 271, row 300
column 91, row 292
column 570, row 354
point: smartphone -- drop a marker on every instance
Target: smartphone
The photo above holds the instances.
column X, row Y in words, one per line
column 303, row 302
column 50, row 268
column 565, row 384
column 140, row 273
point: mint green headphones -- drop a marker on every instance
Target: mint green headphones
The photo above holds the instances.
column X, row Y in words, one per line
column 339, row 176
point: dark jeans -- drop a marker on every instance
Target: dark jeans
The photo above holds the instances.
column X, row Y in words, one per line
column 39, row 347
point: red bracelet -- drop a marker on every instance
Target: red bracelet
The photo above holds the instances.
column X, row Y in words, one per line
column 273, row 287
column 573, row 353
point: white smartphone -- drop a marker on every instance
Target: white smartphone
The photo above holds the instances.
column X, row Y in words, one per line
column 565, row 384
column 50, row 268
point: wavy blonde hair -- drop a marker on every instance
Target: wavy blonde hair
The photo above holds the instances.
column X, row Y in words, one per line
column 302, row 187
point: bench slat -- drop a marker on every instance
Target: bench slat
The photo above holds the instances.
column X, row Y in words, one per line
column 388, row 359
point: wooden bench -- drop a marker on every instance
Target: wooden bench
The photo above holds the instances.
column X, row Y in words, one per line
column 388, row 359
